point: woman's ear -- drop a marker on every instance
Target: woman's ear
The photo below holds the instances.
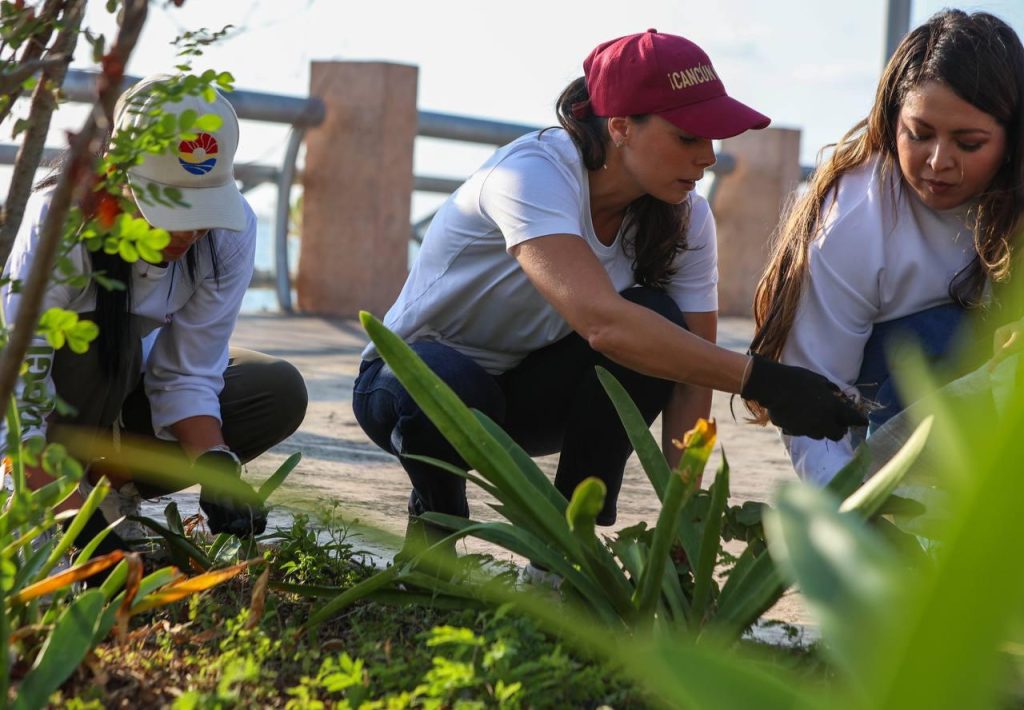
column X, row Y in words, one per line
column 618, row 129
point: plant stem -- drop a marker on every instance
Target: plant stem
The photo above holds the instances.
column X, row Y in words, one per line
column 34, row 47
column 43, row 105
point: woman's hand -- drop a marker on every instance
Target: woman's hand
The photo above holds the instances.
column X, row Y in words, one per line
column 801, row 402
column 1008, row 340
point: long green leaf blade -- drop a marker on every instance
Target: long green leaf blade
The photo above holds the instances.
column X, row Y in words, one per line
column 867, row 499
column 842, row 567
column 274, row 482
column 70, row 640
column 698, row 445
column 711, row 543
column 466, row 434
column 650, row 455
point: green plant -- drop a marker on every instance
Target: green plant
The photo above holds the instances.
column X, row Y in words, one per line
column 47, row 623
column 661, row 577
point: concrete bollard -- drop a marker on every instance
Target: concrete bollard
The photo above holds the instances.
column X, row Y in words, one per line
column 748, row 204
column 358, row 178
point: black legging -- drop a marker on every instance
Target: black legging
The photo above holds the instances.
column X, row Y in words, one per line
column 551, row 402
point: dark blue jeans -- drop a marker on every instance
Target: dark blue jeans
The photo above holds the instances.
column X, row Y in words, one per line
column 933, row 330
column 551, row 402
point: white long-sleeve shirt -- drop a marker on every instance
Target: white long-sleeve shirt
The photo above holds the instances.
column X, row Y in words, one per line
column 880, row 254
column 188, row 323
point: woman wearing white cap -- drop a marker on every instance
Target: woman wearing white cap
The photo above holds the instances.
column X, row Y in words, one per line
column 580, row 246
column 907, row 225
column 161, row 365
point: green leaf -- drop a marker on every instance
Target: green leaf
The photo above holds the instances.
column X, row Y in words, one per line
column 469, row 438
column 186, row 119
column 173, row 518
column 650, row 455
column 128, row 251
column 867, row 499
column 64, row 649
column 181, row 548
column 852, row 475
column 98, row 49
column 155, row 238
column 81, row 334
column 753, row 586
column 699, row 443
column 704, row 572
column 842, row 567
column 91, row 504
column 148, row 254
column 587, row 502
column 527, row 466
column 209, row 122
column 274, row 482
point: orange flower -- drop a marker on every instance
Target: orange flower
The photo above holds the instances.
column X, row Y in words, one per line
column 107, row 210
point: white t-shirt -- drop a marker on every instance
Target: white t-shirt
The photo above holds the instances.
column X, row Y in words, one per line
column 881, row 254
column 188, row 323
column 465, row 290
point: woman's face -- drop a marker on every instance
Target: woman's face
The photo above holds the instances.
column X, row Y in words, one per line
column 180, row 243
column 949, row 150
column 663, row 160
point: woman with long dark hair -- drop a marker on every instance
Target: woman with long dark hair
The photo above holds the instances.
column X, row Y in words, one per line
column 906, row 226
column 162, row 368
column 579, row 246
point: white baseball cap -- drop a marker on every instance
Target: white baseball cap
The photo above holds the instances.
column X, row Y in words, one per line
column 202, row 169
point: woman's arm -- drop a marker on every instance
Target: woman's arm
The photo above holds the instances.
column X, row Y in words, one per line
column 198, row 434
column 567, row 273
column 688, row 402
column 185, row 369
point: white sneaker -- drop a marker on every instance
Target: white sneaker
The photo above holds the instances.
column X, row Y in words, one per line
column 532, row 574
column 121, row 503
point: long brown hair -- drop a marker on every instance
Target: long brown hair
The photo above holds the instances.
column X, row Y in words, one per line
column 980, row 58
column 660, row 227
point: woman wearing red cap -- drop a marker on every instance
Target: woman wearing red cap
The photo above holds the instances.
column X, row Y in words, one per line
column 906, row 225
column 161, row 366
column 580, row 246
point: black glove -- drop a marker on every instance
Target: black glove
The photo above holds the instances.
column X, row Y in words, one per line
column 801, row 402
column 242, row 516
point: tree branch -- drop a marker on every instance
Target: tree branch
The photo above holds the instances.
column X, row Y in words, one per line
column 11, row 81
column 34, row 48
column 31, row 151
column 73, row 185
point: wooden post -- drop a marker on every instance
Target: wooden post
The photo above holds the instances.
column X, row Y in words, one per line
column 747, row 207
column 357, row 183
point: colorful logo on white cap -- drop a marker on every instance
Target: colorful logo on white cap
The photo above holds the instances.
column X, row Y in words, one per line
column 198, row 156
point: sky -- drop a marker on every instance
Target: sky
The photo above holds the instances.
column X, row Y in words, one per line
column 808, row 65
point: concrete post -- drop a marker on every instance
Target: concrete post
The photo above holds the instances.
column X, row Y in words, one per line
column 747, row 207
column 358, row 175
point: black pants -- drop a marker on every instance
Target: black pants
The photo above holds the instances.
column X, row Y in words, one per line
column 262, row 403
column 551, row 402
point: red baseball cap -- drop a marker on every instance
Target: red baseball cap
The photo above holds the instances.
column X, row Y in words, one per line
column 656, row 73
